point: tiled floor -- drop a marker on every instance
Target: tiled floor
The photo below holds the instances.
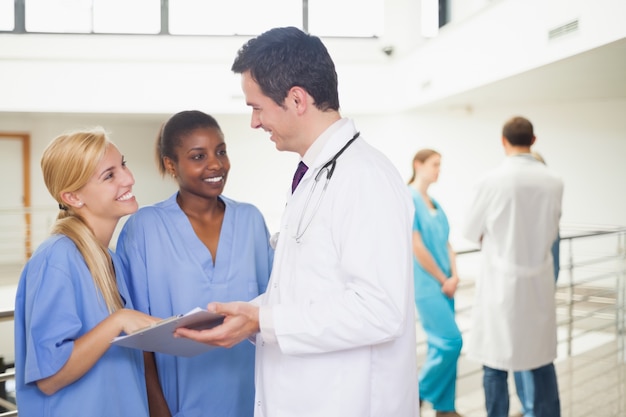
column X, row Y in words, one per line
column 591, row 384
column 592, row 379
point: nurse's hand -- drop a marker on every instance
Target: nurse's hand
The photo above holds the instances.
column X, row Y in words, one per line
column 449, row 286
column 240, row 322
column 132, row 320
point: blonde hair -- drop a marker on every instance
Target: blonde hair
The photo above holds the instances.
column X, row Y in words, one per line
column 422, row 155
column 68, row 163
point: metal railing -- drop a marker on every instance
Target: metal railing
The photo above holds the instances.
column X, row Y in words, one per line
column 22, row 229
column 591, row 309
column 593, row 287
column 4, row 402
column 590, row 296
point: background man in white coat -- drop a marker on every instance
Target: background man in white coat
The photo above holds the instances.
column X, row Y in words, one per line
column 514, row 215
column 335, row 331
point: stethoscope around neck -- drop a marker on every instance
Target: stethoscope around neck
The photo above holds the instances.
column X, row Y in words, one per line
column 329, row 169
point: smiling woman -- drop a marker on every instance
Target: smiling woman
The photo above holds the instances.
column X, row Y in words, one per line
column 195, row 247
column 62, row 355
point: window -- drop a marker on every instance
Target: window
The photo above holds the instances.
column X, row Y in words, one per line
column 430, row 18
column 127, row 16
column 346, row 18
column 233, row 17
column 93, row 16
column 58, row 16
column 361, row 18
column 7, row 15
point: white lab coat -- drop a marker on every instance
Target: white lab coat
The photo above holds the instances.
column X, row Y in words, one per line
column 340, row 300
column 515, row 210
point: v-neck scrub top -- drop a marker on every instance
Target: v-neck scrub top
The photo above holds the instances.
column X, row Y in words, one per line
column 170, row 271
column 56, row 303
column 434, row 230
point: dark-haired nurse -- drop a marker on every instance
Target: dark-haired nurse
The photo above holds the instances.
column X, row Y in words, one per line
column 196, row 247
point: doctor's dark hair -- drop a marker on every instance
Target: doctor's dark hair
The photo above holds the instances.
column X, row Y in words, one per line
column 518, row 131
column 174, row 131
column 421, row 156
column 287, row 57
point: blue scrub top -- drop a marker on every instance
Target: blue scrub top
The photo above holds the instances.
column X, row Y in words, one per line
column 170, row 271
column 434, row 230
column 56, row 303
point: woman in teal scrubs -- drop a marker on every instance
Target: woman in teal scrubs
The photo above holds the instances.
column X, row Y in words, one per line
column 436, row 281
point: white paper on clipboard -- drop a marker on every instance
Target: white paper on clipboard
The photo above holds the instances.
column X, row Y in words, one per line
column 160, row 336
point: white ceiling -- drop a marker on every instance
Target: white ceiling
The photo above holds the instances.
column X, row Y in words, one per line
column 598, row 74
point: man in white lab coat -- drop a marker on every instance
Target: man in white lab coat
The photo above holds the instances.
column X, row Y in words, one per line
column 335, row 331
column 514, row 216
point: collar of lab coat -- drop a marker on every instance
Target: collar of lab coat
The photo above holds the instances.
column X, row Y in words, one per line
column 328, row 144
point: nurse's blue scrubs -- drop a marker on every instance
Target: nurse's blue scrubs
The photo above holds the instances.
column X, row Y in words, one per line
column 56, row 303
column 171, row 271
column 437, row 378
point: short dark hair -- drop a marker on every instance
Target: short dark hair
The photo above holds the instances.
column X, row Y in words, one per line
column 286, row 57
column 178, row 126
column 518, row 131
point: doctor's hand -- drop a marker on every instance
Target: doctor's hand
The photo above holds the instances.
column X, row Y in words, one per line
column 241, row 320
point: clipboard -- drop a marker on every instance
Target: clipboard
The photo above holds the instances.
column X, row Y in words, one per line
column 159, row 337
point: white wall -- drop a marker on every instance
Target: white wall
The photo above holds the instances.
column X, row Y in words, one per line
column 504, row 39
column 583, row 141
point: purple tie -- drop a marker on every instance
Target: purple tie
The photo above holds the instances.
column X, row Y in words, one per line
column 298, row 175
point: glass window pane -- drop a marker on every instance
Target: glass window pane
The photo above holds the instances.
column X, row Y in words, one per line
column 59, row 16
column 7, row 15
column 358, row 18
column 234, row 17
column 430, row 18
column 127, row 16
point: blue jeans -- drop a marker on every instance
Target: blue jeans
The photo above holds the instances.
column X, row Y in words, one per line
column 525, row 387
column 524, row 383
column 546, row 404
column 556, row 256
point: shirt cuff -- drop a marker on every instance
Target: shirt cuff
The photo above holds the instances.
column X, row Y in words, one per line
column 266, row 324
